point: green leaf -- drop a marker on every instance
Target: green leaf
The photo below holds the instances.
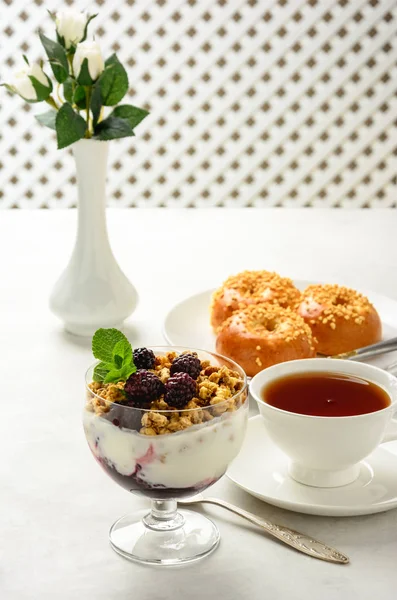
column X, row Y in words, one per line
column 127, row 370
column 102, row 369
column 47, row 118
column 113, row 376
column 42, row 91
column 84, row 77
column 132, row 114
column 100, row 372
column 122, row 374
column 61, row 40
column 123, row 351
column 57, row 57
column 113, row 128
column 68, row 90
column 104, row 342
column 113, row 82
column 86, row 26
column 96, row 103
column 25, row 58
column 79, row 97
column 114, row 351
column 70, row 126
column 118, row 361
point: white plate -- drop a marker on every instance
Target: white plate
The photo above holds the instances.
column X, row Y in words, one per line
column 261, row 470
column 188, row 322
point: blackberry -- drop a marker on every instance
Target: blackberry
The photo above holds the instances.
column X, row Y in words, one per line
column 186, row 363
column 144, row 358
column 142, row 388
column 180, row 389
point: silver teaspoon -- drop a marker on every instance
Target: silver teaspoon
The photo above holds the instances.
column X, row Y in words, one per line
column 369, row 351
column 299, row 541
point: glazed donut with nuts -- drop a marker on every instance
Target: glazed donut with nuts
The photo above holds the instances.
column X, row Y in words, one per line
column 251, row 287
column 340, row 318
column 262, row 335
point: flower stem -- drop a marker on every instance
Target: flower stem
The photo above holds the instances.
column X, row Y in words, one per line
column 58, row 95
column 87, row 105
column 70, row 60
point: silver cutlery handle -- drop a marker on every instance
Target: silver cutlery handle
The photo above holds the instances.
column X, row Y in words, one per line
column 299, row 541
column 369, row 351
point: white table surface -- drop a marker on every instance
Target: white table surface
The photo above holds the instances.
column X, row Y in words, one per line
column 56, row 505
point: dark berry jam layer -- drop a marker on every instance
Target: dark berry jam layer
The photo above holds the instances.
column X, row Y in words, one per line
column 133, row 483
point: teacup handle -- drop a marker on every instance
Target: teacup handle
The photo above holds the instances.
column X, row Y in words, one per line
column 391, row 431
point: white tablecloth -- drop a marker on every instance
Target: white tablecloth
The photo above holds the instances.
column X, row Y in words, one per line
column 56, row 505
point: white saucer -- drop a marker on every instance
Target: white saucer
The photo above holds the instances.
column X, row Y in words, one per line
column 188, row 322
column 261, row 470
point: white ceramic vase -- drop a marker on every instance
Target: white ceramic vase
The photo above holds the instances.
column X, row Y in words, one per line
column 93, row 291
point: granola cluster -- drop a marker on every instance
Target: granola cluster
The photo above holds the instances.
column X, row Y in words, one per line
column 216, row 393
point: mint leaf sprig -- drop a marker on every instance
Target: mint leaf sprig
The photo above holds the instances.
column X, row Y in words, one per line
column 112, row 348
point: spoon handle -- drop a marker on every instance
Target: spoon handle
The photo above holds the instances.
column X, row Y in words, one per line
column 369, row 351
column 299, row 541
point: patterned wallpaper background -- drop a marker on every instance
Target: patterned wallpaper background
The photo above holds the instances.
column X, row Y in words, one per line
column 253, row 103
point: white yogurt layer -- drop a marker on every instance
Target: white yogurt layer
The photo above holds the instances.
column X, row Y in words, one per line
column 176, row 460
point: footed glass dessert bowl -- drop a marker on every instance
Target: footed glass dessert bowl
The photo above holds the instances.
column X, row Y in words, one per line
column 168, row 431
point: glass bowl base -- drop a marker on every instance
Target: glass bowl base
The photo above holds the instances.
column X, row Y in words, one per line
column 192, row 539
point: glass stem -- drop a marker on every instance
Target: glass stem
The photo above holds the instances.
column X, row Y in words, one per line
column 164, row 516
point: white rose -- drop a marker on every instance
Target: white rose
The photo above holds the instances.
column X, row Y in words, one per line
column 70, row 26
column 23, row 86
column 92, row 52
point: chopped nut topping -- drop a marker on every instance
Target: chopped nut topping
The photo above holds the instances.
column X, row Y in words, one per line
column 263, row 285
column 338, row 302
column 270, row 320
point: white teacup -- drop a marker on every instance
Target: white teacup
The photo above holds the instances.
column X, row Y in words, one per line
column 326, row 451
